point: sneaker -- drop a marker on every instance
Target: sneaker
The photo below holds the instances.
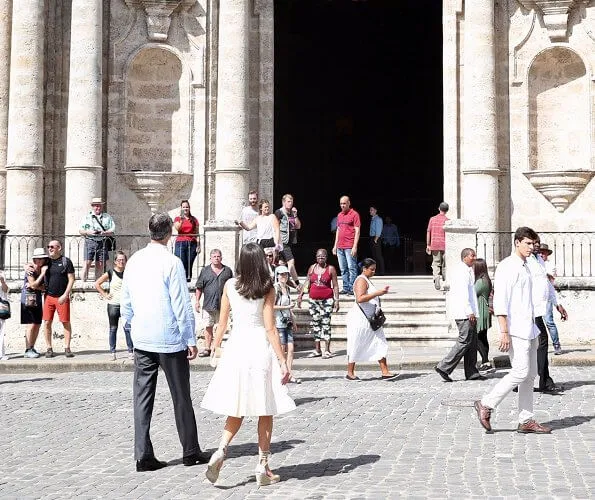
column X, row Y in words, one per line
column 68, row 353
column 31, row 353
column 437, row 282
column 486, row 368
column 49, row 353
column 557, row 349
column 37, row 355
column 112, row 356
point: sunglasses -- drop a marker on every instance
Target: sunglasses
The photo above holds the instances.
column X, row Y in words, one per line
column 52, row 246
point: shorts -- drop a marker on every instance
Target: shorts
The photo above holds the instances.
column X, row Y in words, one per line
column 31, row 315
column 286, row 254
column 285, row 336
column 267, row 243
column 96, row 250
column 209, row 318
column 50, row 305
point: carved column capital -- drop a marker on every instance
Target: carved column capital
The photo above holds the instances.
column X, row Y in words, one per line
column 158, row 14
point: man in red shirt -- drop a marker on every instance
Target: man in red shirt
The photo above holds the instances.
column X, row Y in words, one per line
column 346, row 240
column 435, row 244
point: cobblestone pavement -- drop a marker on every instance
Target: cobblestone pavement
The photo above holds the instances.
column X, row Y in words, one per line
column 70, row 435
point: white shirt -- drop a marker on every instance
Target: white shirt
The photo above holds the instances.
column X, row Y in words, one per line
column 513, row 297
column 463, row 300
column 156, row 301
column 248, row 215
column 541, row 284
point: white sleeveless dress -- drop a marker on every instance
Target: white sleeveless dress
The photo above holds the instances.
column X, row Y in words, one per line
column 247, row 380
column 363, row 343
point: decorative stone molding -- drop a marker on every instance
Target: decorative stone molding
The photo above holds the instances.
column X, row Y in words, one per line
column 158, row 14
column 560, row 187
column 555, row 15
column 155, row 188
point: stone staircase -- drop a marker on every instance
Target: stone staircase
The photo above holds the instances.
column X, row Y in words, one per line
column 415, row 315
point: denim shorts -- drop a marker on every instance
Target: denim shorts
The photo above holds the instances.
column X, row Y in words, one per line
column 285, row 336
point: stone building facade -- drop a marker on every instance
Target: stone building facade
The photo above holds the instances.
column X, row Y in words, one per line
column 147, row 102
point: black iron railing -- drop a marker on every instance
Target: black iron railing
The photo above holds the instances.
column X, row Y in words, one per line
column 573, row 253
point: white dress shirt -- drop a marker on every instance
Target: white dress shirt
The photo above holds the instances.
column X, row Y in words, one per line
column 156, row 301
column 541, row 284
column 463, row 300
column 513, row 297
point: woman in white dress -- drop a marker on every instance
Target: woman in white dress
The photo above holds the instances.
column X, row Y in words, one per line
column 363, row 343
column 252, row 373
column 267, row 226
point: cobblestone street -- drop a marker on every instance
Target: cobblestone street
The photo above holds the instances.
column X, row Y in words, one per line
column 70, row 435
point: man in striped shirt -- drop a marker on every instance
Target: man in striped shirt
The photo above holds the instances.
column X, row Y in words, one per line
column 436, row 243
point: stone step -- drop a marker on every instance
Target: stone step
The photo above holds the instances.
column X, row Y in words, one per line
column 413, row 314
column 395, row 339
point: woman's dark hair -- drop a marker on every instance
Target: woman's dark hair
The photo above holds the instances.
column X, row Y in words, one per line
column 480, row 268
column 193, row 219
column 261, row 203
column 367, row 262
column 254, row 278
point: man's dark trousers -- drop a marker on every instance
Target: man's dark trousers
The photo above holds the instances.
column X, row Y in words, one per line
column 176, row 367
column 376, row 250
column 543, row 364
column 465, row 346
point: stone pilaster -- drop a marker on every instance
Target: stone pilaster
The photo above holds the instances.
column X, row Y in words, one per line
column 480, row 137
column 233, row 141
column 84, row 136
column 5, row 17
column 24, row 156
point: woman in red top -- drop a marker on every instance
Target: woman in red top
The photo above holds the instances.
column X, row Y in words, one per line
column 187, row 240
column 323, row 289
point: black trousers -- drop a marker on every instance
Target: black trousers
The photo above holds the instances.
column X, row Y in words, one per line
column 483, row 346
column 177, row 372
column 376, row 251
column 465, row 346
column 543, row 364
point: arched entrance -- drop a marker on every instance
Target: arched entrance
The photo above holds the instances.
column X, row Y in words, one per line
column 358, row 111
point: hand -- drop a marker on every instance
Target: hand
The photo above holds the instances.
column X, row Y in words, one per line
column 62, row 299
column 197, row 307
column 44, row 269
column 383, row 291
column 294, row 211
column 428, row 251
column 354, row 252
column 336, row 306
column 109, row 296
column 192, row 352
column 472, row 318
column 562, row 311
column 504, row 342
column 334, row 250
column 285, row 373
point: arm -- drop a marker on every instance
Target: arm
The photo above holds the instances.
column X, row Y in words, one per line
column 502, row 294
column 336, row 241
column 125, row 301
column 182, row 307
column 276, row 229
column 198, row 296
column 249, row 226
column 298, row 222
column 64, row 297
column 306, row 287
column 273, row 334
column 37, row 283
column 177, row 223
column 360, row 288
column 100, row 281
column 335, row 282
column 3, row 283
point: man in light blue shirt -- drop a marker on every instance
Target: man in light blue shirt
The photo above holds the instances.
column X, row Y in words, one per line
column 156, row 302
column 375, row 243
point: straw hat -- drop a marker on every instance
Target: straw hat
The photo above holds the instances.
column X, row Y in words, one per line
column 40, row 253
column 97, row 201
column 543, row 248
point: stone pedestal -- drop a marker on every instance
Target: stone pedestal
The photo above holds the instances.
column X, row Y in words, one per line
column 233, row 140
column 84, row 144
column 480, row 133
column 459, row 234
column 224, row 237
column 24, row 157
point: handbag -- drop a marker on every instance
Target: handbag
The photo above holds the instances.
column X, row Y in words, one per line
column 4, row 309
column 377, row 319
column 30, row 299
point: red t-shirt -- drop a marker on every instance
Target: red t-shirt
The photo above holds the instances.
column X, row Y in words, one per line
column 346, row 224
column 436, row 230
column 186, row 229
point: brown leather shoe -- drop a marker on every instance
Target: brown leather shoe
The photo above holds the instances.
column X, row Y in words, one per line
column 532, row 427
column 484, row 414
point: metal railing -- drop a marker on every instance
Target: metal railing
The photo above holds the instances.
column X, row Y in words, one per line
column 18, row 250
column 573, row 252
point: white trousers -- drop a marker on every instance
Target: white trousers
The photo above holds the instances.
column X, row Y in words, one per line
column 523, row 359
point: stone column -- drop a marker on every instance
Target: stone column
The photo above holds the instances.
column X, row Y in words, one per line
column 233, row 141
column 480, row 133
column 5, row 17
column 84, row 136
column 24, row 156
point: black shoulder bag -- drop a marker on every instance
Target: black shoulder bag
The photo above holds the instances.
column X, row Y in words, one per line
column 377, row 319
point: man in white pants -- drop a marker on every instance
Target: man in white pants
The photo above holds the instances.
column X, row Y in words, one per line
column 513, row 306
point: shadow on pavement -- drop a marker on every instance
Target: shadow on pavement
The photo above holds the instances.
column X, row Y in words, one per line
column 573, row 384
column 566, row 422
column 42, row 379
column 305, row 401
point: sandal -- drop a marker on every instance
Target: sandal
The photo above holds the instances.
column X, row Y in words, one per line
column 347, row 377
column 315, row 354
column 327, row 355
column 295, row 380
column 205, row 353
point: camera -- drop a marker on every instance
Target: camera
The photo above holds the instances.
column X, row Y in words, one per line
column 287, row 323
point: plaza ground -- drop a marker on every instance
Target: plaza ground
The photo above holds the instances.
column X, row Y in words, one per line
column 69, row 434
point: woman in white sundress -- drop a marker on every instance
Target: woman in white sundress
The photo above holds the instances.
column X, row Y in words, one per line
column 252, row 372
column 363, row 343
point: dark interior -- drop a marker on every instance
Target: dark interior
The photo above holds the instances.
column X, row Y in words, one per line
column 358, row 111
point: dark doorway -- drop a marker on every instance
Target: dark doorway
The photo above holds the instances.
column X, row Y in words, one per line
column 358, row 111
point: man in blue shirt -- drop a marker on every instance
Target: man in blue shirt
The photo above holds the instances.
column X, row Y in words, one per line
column 156, row 302
column 375, row 243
